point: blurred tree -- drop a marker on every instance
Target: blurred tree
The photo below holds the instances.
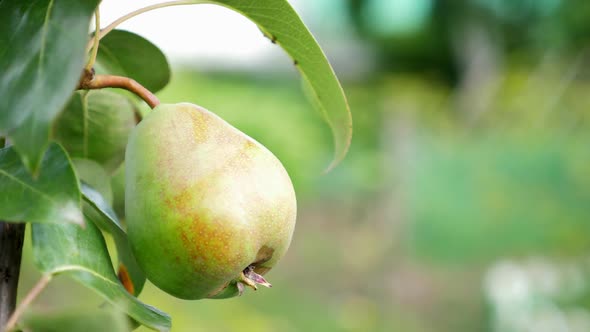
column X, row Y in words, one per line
column 427, row 36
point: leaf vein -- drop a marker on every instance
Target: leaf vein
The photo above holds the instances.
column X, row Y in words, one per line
column 26, row 185
column 44, row 32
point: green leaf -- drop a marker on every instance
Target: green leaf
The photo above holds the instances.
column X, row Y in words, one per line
column 98, row 320
column 81, row 254
column 42, row 46
column 101, row 213
column 95, row 176
column 118, row 188
column 97, row 208
column 96, row 125
column 281, row 24
column 52, row 197
column 127, row 54
column 108, row 220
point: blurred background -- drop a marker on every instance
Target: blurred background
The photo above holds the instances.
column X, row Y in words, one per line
column 464, row 202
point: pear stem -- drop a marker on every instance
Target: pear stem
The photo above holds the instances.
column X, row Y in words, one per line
column 89, row 81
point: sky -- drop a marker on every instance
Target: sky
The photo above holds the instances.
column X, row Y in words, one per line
column 197, row 34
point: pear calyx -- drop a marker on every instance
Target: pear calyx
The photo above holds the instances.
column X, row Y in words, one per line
column 251, row 279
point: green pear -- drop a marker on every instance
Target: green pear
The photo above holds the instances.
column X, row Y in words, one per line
column 209, row 210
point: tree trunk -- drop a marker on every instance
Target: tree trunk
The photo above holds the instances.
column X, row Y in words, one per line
column 11, row 247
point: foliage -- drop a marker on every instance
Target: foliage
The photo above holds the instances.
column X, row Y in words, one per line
column 41, row 63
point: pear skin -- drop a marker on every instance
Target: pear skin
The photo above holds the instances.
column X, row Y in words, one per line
column 208, row 209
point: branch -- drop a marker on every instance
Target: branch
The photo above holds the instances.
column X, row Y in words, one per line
column 11, row 247
column 89, row 81
column 32, row 295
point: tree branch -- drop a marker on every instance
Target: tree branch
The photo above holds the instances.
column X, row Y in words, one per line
column 11, row 246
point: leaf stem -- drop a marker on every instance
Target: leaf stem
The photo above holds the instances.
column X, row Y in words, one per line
column 31, row 296
column 90, row 81
column 134, row 13
column 95, row 40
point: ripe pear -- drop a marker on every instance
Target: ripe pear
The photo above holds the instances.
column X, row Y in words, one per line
column 209, row 210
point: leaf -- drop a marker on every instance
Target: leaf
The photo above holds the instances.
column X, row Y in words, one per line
column 97, row 320
column 104, row 217
column 82, row 255
column 127, row 54
column 97, row 208
column 118, row 188
column 108, row 220
column 53, row 197
column 95, row 176
column 280, row 23
column 96, row 125
column 42, row 46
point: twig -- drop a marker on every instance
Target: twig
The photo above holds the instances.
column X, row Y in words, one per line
column 33, row 293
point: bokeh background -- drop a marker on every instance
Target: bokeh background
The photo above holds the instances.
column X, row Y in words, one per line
column 464, row 202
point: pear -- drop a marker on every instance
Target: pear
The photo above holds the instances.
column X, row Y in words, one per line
column 209, row 210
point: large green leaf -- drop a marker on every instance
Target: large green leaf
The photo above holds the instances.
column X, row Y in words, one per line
column 81, row 254
column 97, row 194
column 42, row 46
column 127, row 54
column 108, row 221
column 95, row 176
column 52, row 197
column 102, row 215
column 95, row 125
column 281, row 24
